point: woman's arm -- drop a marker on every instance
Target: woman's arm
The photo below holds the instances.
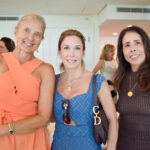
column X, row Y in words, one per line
column 45, row 104
column 99, row 66
column 109, row 108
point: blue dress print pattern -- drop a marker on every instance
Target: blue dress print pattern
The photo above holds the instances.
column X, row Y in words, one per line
column 79, row 137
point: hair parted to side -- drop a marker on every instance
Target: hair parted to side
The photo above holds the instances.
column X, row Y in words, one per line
column 70, row 32
column 9, row 43
column 33, row 17
column 107, row 48
column 124, row 67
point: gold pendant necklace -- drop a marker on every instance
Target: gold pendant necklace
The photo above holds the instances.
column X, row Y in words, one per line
column 130, row 93
column 69, row 87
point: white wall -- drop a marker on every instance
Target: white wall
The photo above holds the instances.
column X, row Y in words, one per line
column 7, row 29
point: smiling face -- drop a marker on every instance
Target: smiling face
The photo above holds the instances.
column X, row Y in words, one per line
column 133, row 49
column 71, row 52
column 3, row 48
column 29, row 34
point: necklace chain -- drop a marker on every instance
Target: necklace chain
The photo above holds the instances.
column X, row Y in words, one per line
column 69, row 88
column 130, row 93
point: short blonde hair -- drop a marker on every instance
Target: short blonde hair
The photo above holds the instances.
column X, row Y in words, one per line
column 33, row 17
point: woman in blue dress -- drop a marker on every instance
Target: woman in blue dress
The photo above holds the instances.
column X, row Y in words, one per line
column 73, row 99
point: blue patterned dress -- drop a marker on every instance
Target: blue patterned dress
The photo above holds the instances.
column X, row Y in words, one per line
column 79, row 137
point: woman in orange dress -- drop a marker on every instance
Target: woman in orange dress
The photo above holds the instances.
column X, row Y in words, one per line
column 27, row 86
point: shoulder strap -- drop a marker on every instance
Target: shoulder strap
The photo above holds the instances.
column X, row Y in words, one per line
column 32, row 65
column 23, row 79
column 14, row 64
column 94, row 92
column 57, row 76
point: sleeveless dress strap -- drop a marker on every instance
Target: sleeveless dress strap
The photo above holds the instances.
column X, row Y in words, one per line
column 35, row 63
column 30, row 66
column 24, row 81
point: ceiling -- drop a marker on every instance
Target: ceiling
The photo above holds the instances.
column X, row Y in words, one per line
column 72, row 7
column 115, row 26
column 62, row 7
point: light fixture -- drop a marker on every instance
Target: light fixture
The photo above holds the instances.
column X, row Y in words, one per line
column 130, row 25
column 115, row 33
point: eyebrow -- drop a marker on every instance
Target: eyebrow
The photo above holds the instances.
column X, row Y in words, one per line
column 69, row 45
column 65, row 45
column 136, row 40
column 78, row 45
column 133, row 40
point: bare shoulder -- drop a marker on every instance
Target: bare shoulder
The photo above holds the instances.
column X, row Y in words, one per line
column 45, row 69
column 88, row 75
column 101, row 61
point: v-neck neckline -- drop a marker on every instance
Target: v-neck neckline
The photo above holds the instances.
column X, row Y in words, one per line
column 75, row 95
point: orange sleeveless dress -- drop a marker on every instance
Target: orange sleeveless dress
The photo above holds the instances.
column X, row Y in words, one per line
column 19, row 92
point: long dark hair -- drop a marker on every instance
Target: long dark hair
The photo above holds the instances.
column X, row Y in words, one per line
column 143, row 73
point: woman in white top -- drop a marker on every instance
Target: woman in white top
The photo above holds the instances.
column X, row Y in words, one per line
column 107, row 66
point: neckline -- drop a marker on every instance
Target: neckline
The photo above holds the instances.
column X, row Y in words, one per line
column 23, row 65
column 75, row 95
